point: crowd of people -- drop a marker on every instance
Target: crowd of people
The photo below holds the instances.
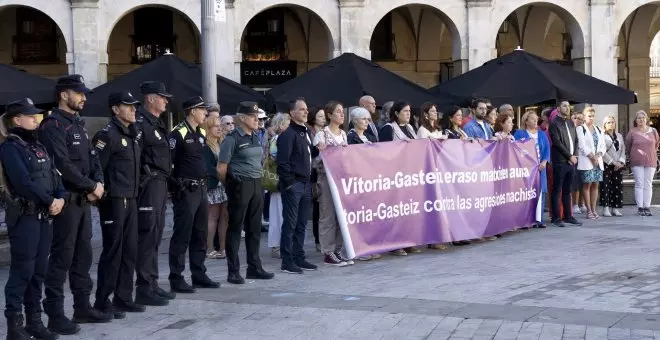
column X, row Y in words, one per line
column 212, row 166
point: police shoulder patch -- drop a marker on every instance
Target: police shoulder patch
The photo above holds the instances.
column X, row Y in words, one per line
column 100, row 145
column 172, row 143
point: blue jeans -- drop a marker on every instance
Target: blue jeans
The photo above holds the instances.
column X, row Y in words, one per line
column 296, row 205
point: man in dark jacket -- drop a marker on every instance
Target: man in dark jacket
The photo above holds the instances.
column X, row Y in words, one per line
column 294, row 158
column 563, row 155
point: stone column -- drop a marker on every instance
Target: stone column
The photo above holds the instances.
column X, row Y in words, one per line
column 209, row 85
column 604, row 50
column 354, row 38
column 226, row 47
column 481, row 45
column 86, row 49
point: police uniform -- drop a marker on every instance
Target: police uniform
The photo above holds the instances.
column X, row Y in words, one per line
column 119, row 155
column 190, row 203
column 32, row 184
column 66, row 140
column 242, row 153
column 156, row 166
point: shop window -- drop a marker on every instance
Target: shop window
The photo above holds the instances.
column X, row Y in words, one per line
column 264, row 38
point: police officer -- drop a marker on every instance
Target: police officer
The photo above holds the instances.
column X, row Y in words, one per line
column 32, row 191
column 240, row 172
column 152, row 198
column 65, row 137
column 119, row 154
column 187, row 142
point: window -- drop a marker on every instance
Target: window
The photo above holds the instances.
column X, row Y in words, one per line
column 36, row 40
column 264, row 38
column 153, row 34
column 382, row 41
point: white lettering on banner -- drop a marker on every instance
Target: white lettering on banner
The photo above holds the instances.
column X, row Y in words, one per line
column 383, row 212
column 360, row 185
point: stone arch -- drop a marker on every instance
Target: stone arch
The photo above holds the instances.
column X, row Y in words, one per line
column 58, row 11
column 574, row 14
column 329, row 20
column 452, row 13
column 119, row 9
column 624, row 9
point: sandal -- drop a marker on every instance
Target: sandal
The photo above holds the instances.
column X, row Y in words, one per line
column 212, row 255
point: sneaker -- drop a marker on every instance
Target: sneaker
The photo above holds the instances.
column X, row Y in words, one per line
column 291, row 269
column 365, row 258
column 212, row 255
column 583, row 209
column 399, row 252
column 275, row 253
column 607, row 212
column 558, row 223
column 641, row 211
column 616, row 213
column 333, row 260
column 304, row 265
column 648, row 212
column 572, row 220
column 344, row 258
column 576, row 209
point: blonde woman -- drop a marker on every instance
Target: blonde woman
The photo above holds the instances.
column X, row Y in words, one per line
column 330, row 236
column 611, row 191
column 279, row 123
column 642, row 144
column 216, row 196
column 591, row 147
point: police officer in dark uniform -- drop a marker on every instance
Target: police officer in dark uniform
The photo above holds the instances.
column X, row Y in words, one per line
column 65, row 137
column 32, row 192
column 187, row 142
column 240, row 172
column 119, row 154
column 152, row 199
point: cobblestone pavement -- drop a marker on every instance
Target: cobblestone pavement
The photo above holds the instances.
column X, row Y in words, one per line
column 598, row 281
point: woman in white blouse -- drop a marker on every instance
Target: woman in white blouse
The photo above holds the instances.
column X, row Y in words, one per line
column 330, row 236
column 611, row 190
column 429, row 122
column 591, row 147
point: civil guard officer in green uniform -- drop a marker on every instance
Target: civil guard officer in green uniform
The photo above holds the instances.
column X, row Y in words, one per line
column 187, row 142
column 32, row 192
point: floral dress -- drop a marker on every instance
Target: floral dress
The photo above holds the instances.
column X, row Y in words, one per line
column 216, row 195
column 595, row 174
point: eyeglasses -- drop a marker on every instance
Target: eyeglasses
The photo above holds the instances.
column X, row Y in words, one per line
column 263, row 119
column 229, row 123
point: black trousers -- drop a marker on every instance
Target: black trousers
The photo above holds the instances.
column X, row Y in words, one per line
column 29, row 244
column 117, row 261
column 190, row 229
column 563, row 175
column 245, row 210
column 611, row 191
column 70, row 253
column 316, row 215
column 152, row 205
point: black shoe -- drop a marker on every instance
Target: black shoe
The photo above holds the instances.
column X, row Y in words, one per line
column 205, row 282
column 558, row 223
column 15, row 330
column 62, row 325
column 235, row 278
column 541, row 225
column 35, row 327
column 90, row 315
column 304, row 265
column 572, row 220
column 181, row 286
column 291, row 269
column 150, row 299
column 258, row 274
column 647, row 212
column 127, row 306
column 164, row 294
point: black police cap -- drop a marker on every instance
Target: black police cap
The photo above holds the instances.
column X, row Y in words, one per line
column 154, row 87
column 123, row 97
column 194, row 102
column 248, row 108
column 74, row 82
column 24, row 106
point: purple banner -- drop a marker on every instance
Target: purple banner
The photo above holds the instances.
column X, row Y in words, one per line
column 400, row 194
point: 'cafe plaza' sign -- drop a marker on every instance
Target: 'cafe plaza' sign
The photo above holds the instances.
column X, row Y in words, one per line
column 255, row 73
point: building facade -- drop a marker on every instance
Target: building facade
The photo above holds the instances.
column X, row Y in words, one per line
column 264, row 42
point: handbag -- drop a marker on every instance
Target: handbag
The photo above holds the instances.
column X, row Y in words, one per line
column 269, row 177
